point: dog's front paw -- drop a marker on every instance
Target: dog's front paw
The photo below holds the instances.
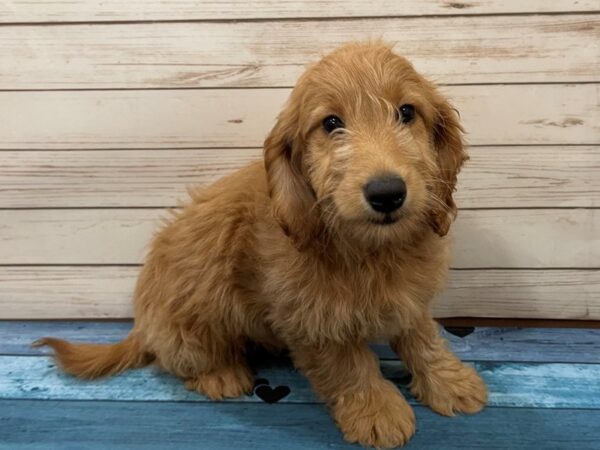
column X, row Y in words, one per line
column 452, row 388
column 378, row 418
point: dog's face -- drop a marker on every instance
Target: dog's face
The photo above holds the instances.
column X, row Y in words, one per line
column 365, row 147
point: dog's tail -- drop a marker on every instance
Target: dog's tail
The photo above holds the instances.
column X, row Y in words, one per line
column 91, row 361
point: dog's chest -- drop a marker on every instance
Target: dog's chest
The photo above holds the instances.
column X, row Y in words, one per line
column 349, row 303
column 373, row 305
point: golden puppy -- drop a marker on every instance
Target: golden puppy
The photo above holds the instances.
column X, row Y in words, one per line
column 335, row 240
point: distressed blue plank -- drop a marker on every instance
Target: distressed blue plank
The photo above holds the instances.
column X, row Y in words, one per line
column 544, row 385
column 29, row 425
column 16, row 336
column 575, row 345
column 484, row 344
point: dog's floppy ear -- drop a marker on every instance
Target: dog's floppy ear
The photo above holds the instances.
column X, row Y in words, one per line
column 450, row 155
column 292, row 197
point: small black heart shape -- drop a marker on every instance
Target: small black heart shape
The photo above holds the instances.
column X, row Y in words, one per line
column 461, row 332
column 271, row 395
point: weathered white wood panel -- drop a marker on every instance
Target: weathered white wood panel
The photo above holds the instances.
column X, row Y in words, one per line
column 496, row 114
column 101, row 178
column 66, row 292
column 131, row 10
column 101, row 236
column 527, row 238
column 558, row 176
column 105, row 292
column 507, row 177
column 72, row 149
column 527, row 294
column 484, row 238
column 561, row 48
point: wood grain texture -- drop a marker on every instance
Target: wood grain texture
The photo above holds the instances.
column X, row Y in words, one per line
column 31, row 424
column 77, row 236
column 532, row 177
column 122, row 178
column 492, row 115
column 66, row 292
column 505, row 177
column 558, row 48
column 25, row 11
column 522, row 385
column 527, row 238
column 533, row 294
column 105, row 292
column 562, row 345
column 484, row 238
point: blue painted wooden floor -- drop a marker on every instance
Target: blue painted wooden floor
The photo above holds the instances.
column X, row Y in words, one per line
column 544, row 394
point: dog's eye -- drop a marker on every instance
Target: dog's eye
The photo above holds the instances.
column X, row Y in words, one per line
column 331, row 123
column 406, row 113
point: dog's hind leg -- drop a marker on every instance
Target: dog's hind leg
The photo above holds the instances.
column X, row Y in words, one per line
column 228, row 381
column 209, row 363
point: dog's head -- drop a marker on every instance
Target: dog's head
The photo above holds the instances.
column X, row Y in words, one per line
column 365, row 148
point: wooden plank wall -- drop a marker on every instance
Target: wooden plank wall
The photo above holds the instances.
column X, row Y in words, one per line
column 109, row 108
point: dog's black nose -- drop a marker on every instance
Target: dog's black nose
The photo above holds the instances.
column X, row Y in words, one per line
column 385, row 194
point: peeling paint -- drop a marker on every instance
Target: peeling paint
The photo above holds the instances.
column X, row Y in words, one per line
column 458, row 5
column 568, row 122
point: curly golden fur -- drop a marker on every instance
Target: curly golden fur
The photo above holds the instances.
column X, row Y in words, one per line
column 288, row 254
